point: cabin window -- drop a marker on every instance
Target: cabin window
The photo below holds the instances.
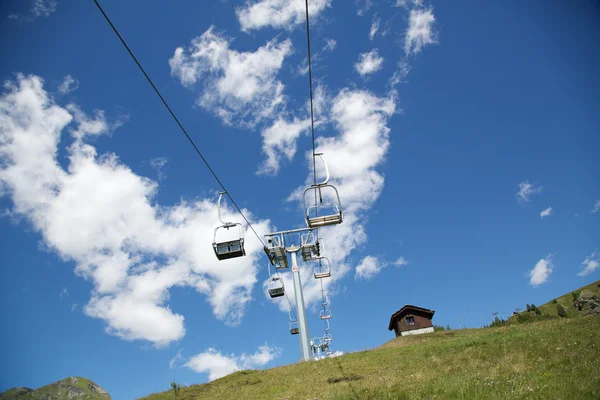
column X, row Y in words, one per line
column 410, row 320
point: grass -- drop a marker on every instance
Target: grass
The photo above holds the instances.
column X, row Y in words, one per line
column 552, row 359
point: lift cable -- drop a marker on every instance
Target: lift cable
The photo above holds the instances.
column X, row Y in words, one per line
column 312, row 119
column 177, row 120
column 183, row 129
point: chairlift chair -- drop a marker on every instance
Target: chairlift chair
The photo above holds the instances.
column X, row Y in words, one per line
column 327, row 334
column 231, row 248
column 325, row 314
column 314, row 216
column 275, row 285
column 276, row 249
column 310, row 248
column 323, row 269
column 293, row 325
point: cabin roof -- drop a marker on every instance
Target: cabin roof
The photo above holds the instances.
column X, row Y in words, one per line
column 408, row 307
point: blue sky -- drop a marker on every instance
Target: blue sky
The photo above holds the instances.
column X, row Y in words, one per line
column 463, row 139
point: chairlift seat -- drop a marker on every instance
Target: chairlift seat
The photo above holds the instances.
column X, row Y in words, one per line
column 321, row 273
column 276, row 292
column 276, row 288
column 309, row 252
column 325, row 314
column 280, row 257
column 230, row 249
column 325, row 220
column 294, row 331
column 313, row 220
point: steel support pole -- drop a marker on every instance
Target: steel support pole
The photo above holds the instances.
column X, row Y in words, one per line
column 302, row 325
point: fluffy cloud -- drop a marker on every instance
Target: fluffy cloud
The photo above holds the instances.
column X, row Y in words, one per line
column 239, row 87
column 596, row 207
column 279, row 142
column 590, row 264
column 546, row 213
column 526, row 190
column 369, row 267
column 369, row 63
column 542, row 270
column 132, row 249
column 420, row 30
column 278, row 13
column 353, row 157
column 68, row 85
column 218, row 365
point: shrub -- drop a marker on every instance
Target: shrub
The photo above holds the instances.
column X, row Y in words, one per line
column 561, row 311
column 554, row 301
column 438, row 328
column 497, row 322
column 535, row 309
column 575, row 294
column 176, row 387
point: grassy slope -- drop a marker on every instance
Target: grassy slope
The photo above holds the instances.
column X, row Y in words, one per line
column 567, row 301
column 553, row 359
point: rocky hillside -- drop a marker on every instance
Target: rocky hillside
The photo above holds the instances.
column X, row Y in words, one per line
column 73, row 388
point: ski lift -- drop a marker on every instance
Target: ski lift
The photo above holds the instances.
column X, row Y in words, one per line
column 325, row 314
column 323, row 270
column 314, row 215
column 293, row 325
column 276, row 249
column 327, row 334
column 232, row 248
column 309, row 247
column 275, row 285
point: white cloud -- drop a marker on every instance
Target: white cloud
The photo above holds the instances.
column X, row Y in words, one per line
column 420, row 30
column 374, row 27
column 546, row 213
column 369, row 63
column 239, row 87
column 542, row 270
column 330, row 45
column 218, row 365
column 369, row 267
column 74, row 307
column 526, row 190
column 409, row 3
column 68, row 85
column 43, row 8
column 279, row 142
column 39, row 8
column 176, row 359
column 590, row 264
column 63, row 293
column 132, row 249
column 596, row 207
column 401, row 262
column 353, row 157
column 400, row 74
column 278, row 13
column 158, row 163
column 364, row 7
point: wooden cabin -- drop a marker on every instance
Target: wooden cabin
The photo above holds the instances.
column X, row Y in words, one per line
column 411, row 320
